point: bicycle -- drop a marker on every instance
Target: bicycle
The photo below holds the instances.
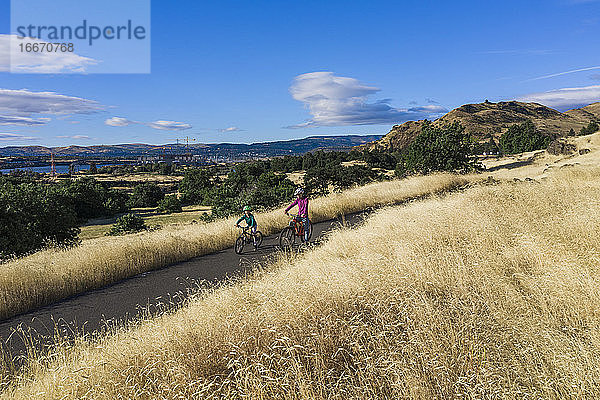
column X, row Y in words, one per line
column 247, row 237
column 288, row 235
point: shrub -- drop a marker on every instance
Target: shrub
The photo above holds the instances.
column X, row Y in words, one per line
column 128, row 223
column 170, row 204
column 523, row 137
column 588, row 130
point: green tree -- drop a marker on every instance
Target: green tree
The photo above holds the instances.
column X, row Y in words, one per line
column 33, row 215
column 116, row 202
column 379, row 159
column 446, row 148
column 523, row 137
column 269, row 190
column 146, row 194
column 195, row 185
column 87, row 197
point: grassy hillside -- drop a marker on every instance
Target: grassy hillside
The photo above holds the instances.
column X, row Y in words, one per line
column 488, row 293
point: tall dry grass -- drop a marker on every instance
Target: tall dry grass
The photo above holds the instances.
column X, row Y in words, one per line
column 491, row 293
column 49, row 276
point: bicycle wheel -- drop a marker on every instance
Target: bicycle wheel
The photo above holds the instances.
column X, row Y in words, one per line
column 239, row 245
column 287, row 238
column 259, row 238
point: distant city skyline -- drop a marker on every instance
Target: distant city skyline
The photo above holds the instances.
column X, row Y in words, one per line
column 262, row 71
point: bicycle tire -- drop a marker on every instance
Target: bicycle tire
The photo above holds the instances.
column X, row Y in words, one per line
column 239, row 245
column 310, row 230
column 287, row 237
column 259, row 238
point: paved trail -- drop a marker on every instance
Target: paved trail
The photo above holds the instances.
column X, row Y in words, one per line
column 126, row 299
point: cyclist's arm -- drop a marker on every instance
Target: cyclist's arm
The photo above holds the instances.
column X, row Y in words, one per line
column 239, row 220
column 291, row 205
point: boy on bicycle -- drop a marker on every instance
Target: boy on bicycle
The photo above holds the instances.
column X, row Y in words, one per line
column 250, row 222
column 302, row 203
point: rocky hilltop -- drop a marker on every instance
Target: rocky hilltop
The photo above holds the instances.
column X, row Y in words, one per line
column 488, row 119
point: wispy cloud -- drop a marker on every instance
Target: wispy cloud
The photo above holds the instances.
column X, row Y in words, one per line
column 565, row 98
column 23, row 107
column 595, row 77
column 22, row 121
column 40, row 62
column 15, row 137
column 76, row 137
column 337, row 101
column 161, row 125
column 573, row 71
column 231, row 129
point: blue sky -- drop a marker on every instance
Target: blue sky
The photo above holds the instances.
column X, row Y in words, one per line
column 241, row 71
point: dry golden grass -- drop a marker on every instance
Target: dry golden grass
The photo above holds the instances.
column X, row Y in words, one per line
column 540, row 164
column 491, row 293
column 48, row 276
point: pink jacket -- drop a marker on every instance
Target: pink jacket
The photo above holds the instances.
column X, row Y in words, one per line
column 302, row 206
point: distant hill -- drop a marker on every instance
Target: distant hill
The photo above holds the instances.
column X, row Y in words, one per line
column 222, row 150
column 488, row 119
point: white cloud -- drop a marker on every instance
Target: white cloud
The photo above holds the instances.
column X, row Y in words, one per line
column 336, row 101
column 565, row 98
column 39, row 62
column 73, row 137
column 230, row 129
column 169, row 125
column 14, row 136
column 118, row 121
column 162, row 125
column 20, row 107
column 22, row 121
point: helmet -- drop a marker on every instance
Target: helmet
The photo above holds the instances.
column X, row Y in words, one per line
column 247, row 208
column 299, row 192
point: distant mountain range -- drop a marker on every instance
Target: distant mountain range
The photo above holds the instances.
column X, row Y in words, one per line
column 484, row 120
column 215, row 151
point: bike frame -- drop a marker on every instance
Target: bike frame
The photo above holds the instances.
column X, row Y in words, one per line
column 298, row 224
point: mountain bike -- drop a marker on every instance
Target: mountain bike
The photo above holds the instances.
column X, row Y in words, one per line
column 296, row 227
column 247, row 237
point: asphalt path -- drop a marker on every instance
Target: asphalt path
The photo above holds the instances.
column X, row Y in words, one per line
column 93, row 312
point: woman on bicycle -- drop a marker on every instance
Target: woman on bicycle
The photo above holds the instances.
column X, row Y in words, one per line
column 250, row 222
column 302, row 203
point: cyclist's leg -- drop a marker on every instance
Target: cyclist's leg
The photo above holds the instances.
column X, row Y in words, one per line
column 253, row 230
column 306, row 224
